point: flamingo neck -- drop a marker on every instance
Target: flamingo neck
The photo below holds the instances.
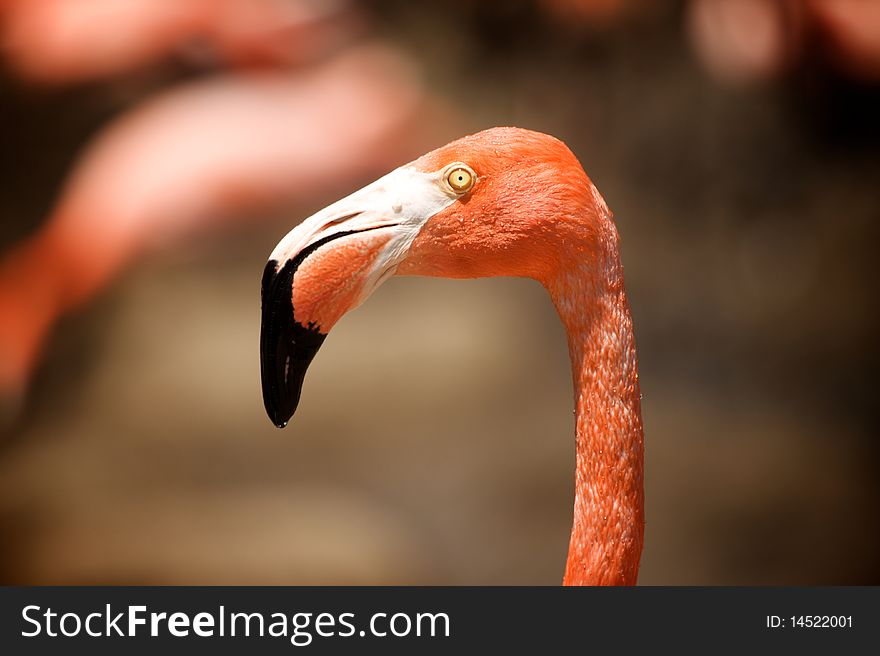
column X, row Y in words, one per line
column 608, row 526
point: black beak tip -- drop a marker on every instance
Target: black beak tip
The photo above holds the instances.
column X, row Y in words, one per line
column 278, row 409
column 279, row 416
column 286, row 346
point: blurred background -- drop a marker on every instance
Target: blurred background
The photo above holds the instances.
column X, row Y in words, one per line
column 154, row 153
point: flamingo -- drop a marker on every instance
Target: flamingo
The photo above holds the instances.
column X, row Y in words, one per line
column 502, row 202
column 58, row 42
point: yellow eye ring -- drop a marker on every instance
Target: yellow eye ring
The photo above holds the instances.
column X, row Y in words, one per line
column 460, row 178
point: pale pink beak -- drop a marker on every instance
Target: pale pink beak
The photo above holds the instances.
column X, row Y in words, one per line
column 328, row 265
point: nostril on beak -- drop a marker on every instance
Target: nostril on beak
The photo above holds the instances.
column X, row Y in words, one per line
column 340, row 219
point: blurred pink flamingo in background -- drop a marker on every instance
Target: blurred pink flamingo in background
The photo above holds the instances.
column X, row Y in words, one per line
column 199, row 155
column 760, row 39
column 58, row 41
column 751, row 40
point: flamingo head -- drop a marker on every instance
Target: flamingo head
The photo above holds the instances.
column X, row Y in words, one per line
column 501, row 202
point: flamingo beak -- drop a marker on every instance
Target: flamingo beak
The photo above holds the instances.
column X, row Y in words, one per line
column 329, row 264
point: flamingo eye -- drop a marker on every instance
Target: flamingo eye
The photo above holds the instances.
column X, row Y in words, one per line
column 460, row 178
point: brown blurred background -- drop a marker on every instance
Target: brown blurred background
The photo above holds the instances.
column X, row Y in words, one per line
column 434, row 440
